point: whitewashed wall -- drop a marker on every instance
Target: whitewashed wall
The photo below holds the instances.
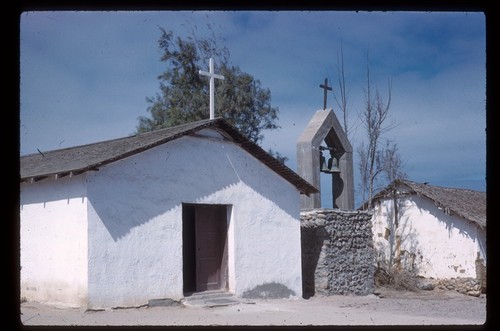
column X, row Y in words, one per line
column 444, row 246
column 135, row 220
column 53, row 234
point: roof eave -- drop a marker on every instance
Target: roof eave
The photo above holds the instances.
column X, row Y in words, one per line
column 218, row 123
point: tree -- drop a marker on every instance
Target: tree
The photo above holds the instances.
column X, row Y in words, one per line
column 183, row 96
column 342, row 97
column 278, row 156
column 374, row 159
column 392, row 164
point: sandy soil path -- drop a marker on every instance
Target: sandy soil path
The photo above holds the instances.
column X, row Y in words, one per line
column 391, row 307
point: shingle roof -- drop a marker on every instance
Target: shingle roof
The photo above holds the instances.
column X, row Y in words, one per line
column 75, row 160
column 468, row 204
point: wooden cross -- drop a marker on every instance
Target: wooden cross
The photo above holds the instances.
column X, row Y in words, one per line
column 212, row 76
column 326, row 88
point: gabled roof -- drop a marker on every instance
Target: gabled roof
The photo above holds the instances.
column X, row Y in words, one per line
column 468, row 204
column 76, row 160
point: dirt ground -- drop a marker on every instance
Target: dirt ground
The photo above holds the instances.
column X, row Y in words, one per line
column 389, row 307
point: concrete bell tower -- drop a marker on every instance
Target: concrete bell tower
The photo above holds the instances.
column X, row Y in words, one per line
column 325, row 128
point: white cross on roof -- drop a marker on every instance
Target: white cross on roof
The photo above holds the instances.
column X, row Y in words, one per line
column 212, row 76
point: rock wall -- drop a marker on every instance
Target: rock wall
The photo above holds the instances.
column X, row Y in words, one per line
column 469, row 286
column 466, row 285
column 337, row 252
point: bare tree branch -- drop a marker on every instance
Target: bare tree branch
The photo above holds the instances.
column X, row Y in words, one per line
column 374, row 159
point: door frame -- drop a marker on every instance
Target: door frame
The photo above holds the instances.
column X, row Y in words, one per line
column 189, row 257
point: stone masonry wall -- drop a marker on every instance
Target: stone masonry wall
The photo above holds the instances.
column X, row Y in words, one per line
column 337, row 252
column 470, row 286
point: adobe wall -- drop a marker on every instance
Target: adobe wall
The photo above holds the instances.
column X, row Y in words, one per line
column 337, row 252
column 136, row 222
column 53, row 241
column 431, row 244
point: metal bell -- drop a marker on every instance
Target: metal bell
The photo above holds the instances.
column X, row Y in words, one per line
column 333, row 166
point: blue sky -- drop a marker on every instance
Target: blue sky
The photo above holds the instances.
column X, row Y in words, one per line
column 85, row 77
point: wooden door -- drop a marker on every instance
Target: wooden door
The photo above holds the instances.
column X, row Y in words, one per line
column 210, row 238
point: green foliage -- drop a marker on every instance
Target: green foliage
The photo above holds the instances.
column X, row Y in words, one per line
column 184, row 93
column 278, row 156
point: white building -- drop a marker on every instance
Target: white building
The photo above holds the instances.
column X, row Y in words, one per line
column 440, row 232
column 158, row 215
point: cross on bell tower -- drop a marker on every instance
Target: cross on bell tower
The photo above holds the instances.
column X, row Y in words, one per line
column 326, row 88
column 212, row 76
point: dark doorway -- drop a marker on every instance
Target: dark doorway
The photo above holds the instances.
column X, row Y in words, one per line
column 204, row 234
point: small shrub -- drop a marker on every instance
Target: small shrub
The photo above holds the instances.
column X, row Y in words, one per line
column 404, row 280
column 382, row 277
column 399, row 279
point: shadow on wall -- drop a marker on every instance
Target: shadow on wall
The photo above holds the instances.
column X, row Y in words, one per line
column 50, row 190
column 402, row 246
column 312, row 243
column 120, row 216
column 130, row 193
column 133, row 192
column 450, row 222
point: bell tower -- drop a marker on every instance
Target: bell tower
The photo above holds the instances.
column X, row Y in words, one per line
column 335, row 159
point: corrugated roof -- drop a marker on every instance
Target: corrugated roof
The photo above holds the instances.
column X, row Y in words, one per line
column 75, row 160
column 468, row 204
